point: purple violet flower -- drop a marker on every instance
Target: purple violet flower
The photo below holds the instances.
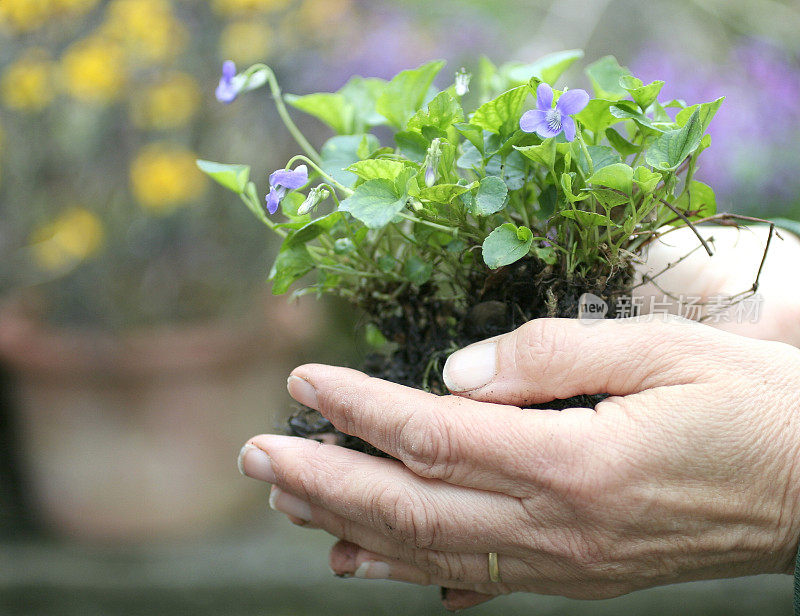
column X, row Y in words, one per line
column 552, row 236
column 281, row 182
column 227, row 91
column 548, row 121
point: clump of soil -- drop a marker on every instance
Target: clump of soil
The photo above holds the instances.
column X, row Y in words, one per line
column 425, row 330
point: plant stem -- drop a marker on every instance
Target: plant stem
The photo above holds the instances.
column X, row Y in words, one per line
column 341, row 187
column 265, row 219
column 284, row 113
column 585, row 150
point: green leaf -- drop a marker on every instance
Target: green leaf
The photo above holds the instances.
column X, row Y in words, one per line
column 314, row 228
column 412, row 145
column 620, row 144
column 506, row 244
column 566, row 185
column 375, row 203
column 332, row 109
column 645, row 179
column 698, row 201
column 511, row 169
column 253, row 201
column 606, row 197
column 644, row 95
column 293, row 262
column 605, row 75
column 625, row 110
column 340, row 152
column 473, row 134
column 373, row 169
column 670, row 149
column 491, row 196
column 546, row 254
column 289, row 206
column 387, row 263
column 442, row 112
column 404, row 95
column 374, row 337
column 232, row 177
column 547, row 68
column 618, row 176
column 545, row 153
column 588, row 219
column 362, row 95
column 547, row 201
column 706, row 112
column 597, row 116
column 417, row 270
column 444, row 193
column 601, row 155
column 501, row 115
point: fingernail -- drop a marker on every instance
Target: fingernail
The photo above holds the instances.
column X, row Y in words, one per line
column 289, row 504
column 471, row 368
column 302, row 391
column 256, row 464
column 372, row 570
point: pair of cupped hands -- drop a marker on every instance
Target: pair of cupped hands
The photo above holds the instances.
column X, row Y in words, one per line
column 689, row 470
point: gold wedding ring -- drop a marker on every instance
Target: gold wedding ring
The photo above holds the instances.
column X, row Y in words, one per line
column 494, row 568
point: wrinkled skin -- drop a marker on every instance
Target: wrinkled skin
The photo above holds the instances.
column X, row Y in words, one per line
column 686, row 472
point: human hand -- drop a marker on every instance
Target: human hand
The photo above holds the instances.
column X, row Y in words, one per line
column 732, row 270
column 687, row 472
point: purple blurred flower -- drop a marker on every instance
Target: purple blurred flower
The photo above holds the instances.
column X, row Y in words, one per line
column 552, row 236
column 751, row 165
column 226, row 90
column 281, row 182
column 548, row 121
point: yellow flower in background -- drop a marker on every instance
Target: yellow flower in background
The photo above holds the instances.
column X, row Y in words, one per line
column 319, row 13
column 245, row 42
column 74, row 236
column 164, row 176
column 27, row 83
column 237, row 7
column 170, row 103
column 24, row 15
column 2, row 143
column 147, row 29
column 75, row 7
column 93, row 70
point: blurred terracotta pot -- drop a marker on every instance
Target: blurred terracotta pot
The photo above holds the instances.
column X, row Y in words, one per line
column 135, row 437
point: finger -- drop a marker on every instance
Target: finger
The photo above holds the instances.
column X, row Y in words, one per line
column 470, row 566
column 351, row 560
column 690, row 283
column 548, row 359
column 385, row 496
column 347, row 559
column 459, row 441
column 456, row 599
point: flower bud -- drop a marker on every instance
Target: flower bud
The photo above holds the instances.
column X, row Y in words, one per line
column 432, row 162
column 462, row 82
column 316, row 195
column 430, row 176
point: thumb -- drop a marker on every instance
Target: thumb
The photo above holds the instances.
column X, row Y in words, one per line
column 548, row 359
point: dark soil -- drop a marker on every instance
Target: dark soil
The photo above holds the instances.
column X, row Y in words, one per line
column 426, row 330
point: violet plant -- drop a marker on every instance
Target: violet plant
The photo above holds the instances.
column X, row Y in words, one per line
column 580, row 183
